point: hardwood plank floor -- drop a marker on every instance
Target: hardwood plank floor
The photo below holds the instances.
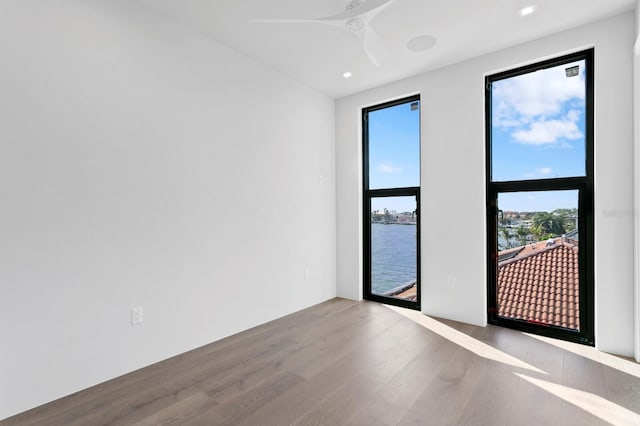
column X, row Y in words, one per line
column 361, row 363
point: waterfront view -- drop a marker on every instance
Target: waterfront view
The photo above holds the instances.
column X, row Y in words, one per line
column 394, row 257
column 392, row 191
column 516, row 229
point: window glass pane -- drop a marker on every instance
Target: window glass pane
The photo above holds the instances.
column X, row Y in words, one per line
column 394, row 242
column 538, row 273
column 394, row 146
column 538, row 124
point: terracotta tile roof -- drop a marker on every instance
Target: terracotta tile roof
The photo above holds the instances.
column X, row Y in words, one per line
column 406, row 291
column 540, row 285
column 409, row 294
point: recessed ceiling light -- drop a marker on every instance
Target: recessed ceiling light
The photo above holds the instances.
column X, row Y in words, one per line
column 421, row 43
column 525, row 11
column 347, row 74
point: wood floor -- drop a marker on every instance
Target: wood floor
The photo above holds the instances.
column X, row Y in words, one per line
column 344, row 362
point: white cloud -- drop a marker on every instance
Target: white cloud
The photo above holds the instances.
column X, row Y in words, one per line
column 535, row 106
column 504, row 115
column 388, row 168
column 548, row 132
column 574, row 115
column 540, row 173
column 544, row 171
column 538, row 94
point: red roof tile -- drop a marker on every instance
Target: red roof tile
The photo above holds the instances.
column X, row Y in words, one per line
column 540, row 285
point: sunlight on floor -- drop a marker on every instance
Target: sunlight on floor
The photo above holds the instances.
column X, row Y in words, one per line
column 589, row 402
column 620, row 364
column 469, row 343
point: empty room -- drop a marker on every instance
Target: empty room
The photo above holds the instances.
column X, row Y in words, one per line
column 368, row 212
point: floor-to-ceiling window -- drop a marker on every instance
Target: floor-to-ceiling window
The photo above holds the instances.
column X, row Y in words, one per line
column 391, row 202
column 539, row 123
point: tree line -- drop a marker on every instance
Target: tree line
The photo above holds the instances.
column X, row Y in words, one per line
column 544, row 225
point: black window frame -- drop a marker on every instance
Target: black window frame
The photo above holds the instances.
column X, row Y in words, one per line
column 583, row 184
column 367, row 195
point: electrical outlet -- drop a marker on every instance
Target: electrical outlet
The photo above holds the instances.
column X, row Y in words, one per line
column 451, row 282
column 307, row 274
column 137, row 315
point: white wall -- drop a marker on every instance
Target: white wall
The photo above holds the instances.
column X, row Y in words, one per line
column 453, row 178
column 636, row 109
column 142, row 165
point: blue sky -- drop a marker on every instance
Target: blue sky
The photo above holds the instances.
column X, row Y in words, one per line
column 538, row 132
column 537, row 201
column 394, row 153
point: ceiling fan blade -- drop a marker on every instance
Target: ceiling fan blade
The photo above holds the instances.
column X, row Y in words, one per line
column 374, row 46
column 285, row 21
column 338, row 24
column 375, row 8
column 354, row 19
column 367, row 9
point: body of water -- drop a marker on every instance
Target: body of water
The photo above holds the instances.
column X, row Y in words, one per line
column 393, row 256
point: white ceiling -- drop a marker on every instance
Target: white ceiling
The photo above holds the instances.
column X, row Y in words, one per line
column 318, row 55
